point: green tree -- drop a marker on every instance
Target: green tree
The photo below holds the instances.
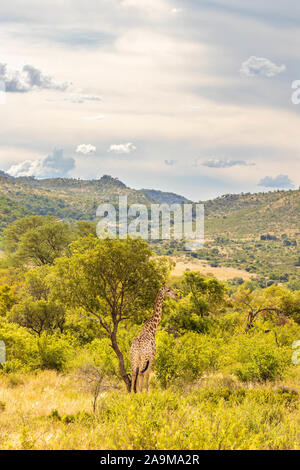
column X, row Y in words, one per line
column 14, row 232
column 112, row 281
column 37, row 240
column 84, row 228
column 37, row 310
column 258, row 303
column 290, row 305
column 38, row 315
column 207, row 294
column 7, row 298
column 42, row 245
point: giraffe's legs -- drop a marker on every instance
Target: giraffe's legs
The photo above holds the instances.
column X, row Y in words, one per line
column 147, row 379
column 147, row 375
column 141, row 381
column 134, row 379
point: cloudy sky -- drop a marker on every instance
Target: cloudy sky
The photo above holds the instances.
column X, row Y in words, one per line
column 188, row 96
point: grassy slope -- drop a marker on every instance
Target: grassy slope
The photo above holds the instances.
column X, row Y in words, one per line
column 233, row 223
column 237, row 216
column 65, row 198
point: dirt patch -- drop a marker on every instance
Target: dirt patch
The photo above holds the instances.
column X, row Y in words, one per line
column 222, row 273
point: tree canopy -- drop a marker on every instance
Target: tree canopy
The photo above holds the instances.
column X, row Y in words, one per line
column 111, row 281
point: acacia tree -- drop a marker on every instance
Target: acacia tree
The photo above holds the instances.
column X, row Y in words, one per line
column 37, row 240
column 36, row 309
column 38, row 315
column 111, row 281
column 207, row 294
column 257, row 304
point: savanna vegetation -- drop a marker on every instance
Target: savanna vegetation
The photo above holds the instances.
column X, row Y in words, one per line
column 258, row 233
column 70, row 305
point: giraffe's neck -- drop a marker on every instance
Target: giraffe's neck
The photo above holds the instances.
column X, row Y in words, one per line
column 155, row 320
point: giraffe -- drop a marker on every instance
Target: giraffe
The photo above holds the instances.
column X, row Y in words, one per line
column 143, row 347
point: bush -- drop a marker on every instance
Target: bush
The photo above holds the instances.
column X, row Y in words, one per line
column 185, row 358
column 21, row 348
column 27, row 352
column 54, row 351
column 259, row 358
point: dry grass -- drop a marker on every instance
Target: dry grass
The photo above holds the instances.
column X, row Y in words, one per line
column 28, row 400
column 221, row 273
column 48, row 411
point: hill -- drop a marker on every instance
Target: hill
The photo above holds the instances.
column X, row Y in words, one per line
column 66, row 198
column 165, row 197
column 258, row 233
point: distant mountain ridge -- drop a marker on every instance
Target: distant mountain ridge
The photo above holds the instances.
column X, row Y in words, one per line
column 165, row 197
column 68, row 198
column 77, row 199
column 256, row 232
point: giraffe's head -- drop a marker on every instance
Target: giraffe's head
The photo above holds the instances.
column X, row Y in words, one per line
column 169, row 292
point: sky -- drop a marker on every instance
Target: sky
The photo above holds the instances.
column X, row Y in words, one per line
column 195, row 97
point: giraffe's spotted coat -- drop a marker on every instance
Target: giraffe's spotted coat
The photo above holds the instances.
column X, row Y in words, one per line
column 143, row 348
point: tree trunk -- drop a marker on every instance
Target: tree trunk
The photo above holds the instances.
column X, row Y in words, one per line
column 122, row 369
column 250, row 320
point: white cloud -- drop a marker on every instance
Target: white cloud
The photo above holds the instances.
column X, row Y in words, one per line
column 280, row 181
column 260, row 66
column 151, row 7
column 77, row 98
column 27, row 79
column 122, row 148
column 86, row 149
column 97, row 117
column 175, row 11
column 215, row 163
column 53, row 165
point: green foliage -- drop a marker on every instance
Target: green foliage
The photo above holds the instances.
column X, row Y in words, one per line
column 36, row 309
column 200, row 306
column 85, row 228
column 110, row 290
column 55, row 351
column 21, row 348
column 7, row 298
column 290, row 305
column 38, row 315
column 98, row 353
column 40, row 246
column 183, row 316
column 14, row 232
column 259, row 358
column 186, row 357
column 37, row 240
column 27, row 352
column 207, row 295
column 104, row 289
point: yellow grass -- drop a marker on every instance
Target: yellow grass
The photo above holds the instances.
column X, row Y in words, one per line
column 158, row 420
column 221, row 273
column 29, row 400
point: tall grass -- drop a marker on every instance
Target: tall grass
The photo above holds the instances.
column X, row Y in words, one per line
column 49, row 410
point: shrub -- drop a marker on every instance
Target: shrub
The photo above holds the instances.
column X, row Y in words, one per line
column 27, row 352
column 54, row 351
column 21, row 348
column 260, row 359
column 185, row 358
